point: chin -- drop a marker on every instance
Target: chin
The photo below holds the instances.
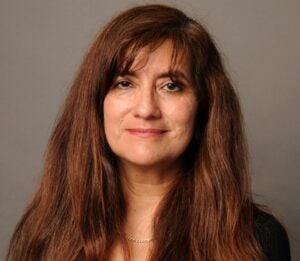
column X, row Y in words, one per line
column 147, row 164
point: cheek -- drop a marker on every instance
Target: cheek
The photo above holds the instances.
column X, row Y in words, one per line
column 106, row 113
column 115, row 110
column 111, row 114
column 183, row 117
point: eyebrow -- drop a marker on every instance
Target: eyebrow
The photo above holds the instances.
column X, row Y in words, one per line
column 171, row 74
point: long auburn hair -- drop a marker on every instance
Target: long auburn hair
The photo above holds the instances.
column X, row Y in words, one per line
column 79, row 207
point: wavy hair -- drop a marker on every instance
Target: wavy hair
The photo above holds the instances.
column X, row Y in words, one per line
column 79, row 207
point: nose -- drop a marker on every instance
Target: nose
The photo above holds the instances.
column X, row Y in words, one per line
column 146, row 104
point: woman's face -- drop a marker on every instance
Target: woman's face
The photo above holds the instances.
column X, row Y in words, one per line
column 148, row 118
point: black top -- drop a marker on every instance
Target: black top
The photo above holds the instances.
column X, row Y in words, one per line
column 272, row 237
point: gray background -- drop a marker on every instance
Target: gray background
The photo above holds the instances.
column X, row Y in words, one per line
column 42, row 45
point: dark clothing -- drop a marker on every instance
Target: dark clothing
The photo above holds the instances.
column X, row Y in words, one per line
column 272, row 237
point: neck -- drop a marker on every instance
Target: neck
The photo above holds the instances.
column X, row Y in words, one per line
column 150, row 184
column 143, row 190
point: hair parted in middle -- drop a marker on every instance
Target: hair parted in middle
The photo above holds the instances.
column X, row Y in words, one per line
column 79, row 207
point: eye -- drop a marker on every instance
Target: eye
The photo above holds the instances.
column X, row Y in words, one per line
column 173, row 86
column 122, row 84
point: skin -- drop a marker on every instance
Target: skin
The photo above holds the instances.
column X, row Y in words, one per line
column 148, row 123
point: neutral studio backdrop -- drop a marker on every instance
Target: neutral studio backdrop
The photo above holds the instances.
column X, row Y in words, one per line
column 43, row 42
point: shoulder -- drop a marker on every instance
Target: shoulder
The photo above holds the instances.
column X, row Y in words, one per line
column 272, row 236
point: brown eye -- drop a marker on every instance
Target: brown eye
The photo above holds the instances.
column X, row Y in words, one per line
column 123, row 84
column 172, row 86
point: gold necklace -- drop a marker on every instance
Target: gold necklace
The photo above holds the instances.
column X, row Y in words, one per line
column 139, row 241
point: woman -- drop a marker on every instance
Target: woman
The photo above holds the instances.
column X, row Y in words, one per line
column 148, row 159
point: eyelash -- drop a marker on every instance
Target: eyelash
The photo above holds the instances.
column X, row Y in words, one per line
column 118, row 84
column 123, row 84
column 178, row 86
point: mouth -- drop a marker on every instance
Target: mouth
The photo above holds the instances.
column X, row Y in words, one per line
column 146, row 132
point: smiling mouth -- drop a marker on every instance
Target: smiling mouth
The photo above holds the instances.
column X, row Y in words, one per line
column 146, row 133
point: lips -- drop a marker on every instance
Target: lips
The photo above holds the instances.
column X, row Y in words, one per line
column 146, row 132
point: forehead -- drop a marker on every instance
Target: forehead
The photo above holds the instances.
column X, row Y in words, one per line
column 164, row 56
